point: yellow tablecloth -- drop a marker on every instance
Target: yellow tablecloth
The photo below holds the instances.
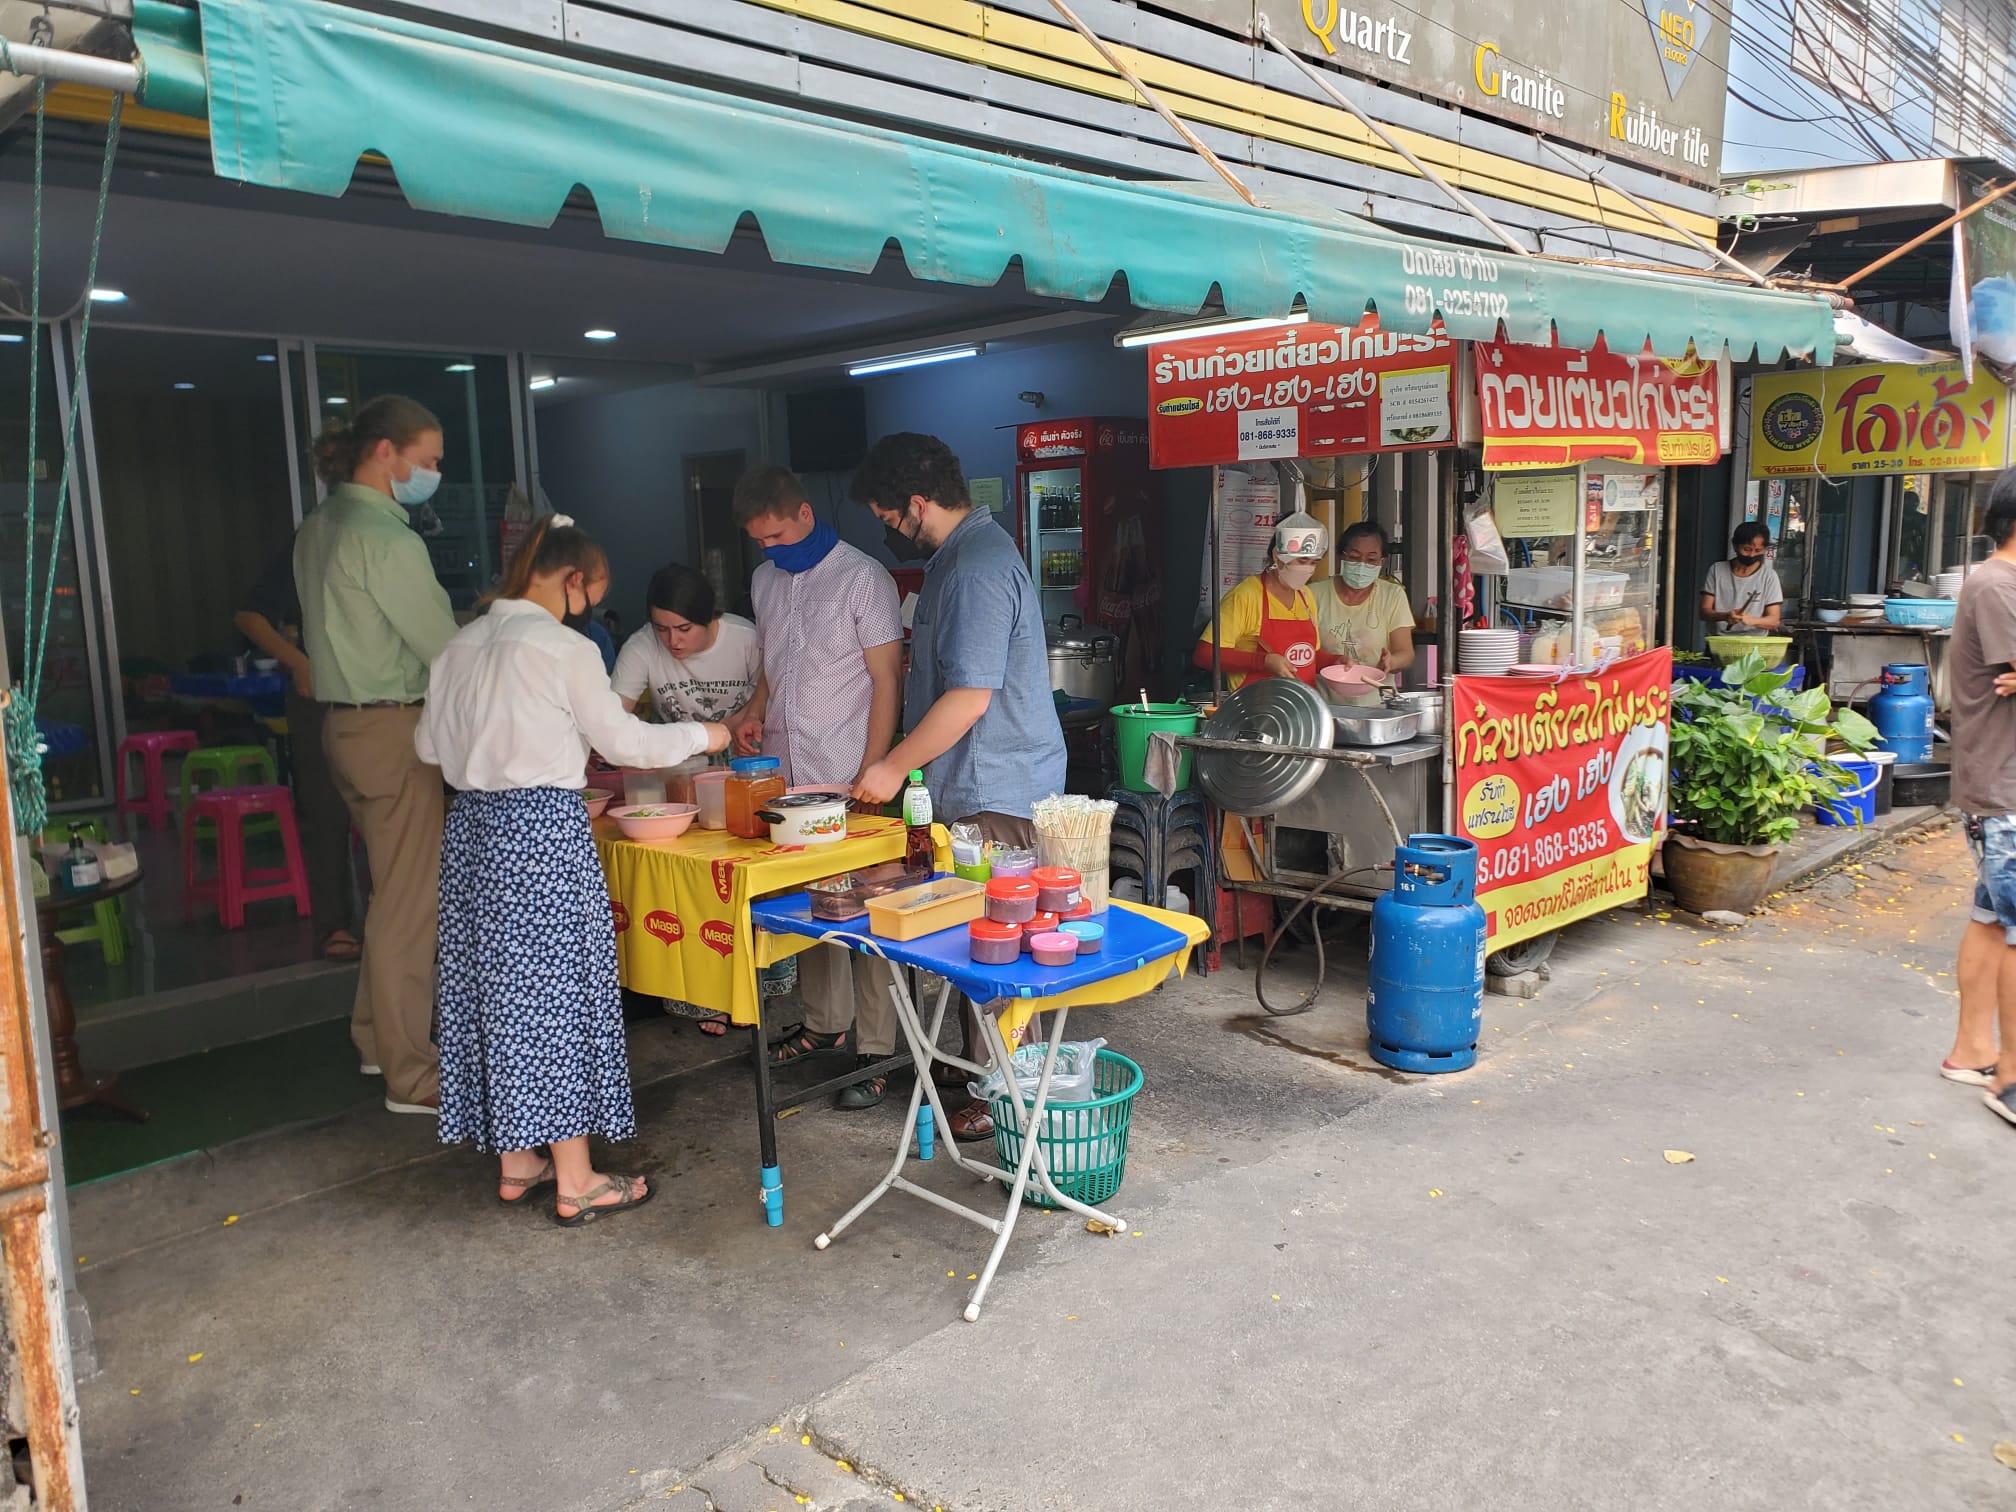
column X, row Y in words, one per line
column 1015, row 1013
column 682, row 906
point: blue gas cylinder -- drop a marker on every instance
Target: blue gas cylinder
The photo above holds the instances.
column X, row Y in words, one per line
column 1902, row 712
column 1426, row 998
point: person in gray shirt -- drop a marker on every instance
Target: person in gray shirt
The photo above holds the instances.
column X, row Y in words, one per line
column 1743, row 596
column 977, row 706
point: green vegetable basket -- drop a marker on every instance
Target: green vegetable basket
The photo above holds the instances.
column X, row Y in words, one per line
column 1083, row 1143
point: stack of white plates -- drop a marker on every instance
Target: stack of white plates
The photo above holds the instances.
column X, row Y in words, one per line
column 1486, row 653
column 1947, row 584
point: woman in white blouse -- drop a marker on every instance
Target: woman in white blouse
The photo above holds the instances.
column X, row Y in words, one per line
column 531, row 1019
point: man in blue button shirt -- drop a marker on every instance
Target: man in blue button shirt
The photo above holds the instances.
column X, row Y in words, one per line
column 977, row 705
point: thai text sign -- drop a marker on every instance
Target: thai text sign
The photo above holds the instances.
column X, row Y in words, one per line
column 1562, row 785
column 1298, row 391
column 1551, row 407
column 1886, row 417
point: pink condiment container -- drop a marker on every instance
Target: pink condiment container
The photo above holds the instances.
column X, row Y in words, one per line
column 1053, row 949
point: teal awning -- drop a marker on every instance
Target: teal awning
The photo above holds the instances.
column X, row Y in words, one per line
column 300, row 89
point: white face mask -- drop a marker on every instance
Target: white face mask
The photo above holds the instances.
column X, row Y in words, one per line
column 1358, row 574
column 1295, row 576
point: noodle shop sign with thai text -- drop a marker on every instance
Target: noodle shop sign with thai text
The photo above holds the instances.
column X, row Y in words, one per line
column 1562, row 785
column 1298, row 391
column 1554, row 407
column 1885, row 417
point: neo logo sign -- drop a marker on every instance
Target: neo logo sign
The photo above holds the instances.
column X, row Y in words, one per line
column 1679, row 30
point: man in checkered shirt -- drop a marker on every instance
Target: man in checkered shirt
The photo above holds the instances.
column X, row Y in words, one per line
column 826, row 705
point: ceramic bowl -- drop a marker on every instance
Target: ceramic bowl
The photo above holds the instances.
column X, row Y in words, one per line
column 655, row 821
column 1830, row 616
column 597, row 800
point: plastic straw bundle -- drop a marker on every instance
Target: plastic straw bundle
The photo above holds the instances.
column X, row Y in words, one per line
column 1075, row 831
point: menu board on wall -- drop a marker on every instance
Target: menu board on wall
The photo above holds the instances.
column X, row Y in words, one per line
column 1534, row 504
column 1298, row 391
column 1249, row 504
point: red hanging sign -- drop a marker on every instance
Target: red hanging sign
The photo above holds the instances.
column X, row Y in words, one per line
column 1552, row 407
column 1298, row 391
column 1563, row 787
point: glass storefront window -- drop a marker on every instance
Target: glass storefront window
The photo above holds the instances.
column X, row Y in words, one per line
column 67, row 712
column 472, row 397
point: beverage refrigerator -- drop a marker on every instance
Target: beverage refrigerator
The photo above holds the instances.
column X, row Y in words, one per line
column 1089, row 514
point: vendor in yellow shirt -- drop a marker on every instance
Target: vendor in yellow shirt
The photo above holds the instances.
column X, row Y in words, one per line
column 1363, row 620
column 1268, row 621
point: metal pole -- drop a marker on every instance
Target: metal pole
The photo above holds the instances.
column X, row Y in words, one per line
column 1155, row 103
column 1671, row 494
column 1581, row 544
column 1462, row 201
column 1595, row 175
column 1217, row 575
column 31, row 61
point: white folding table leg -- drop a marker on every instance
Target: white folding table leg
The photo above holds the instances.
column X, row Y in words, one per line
column 906, row 1015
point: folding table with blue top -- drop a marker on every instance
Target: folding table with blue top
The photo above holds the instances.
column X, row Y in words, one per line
column 1142, row 946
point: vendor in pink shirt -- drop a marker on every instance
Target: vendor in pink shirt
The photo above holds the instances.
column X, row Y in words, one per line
column 826, row 705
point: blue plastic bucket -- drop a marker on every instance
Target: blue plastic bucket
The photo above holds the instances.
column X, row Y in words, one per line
column 1856, row 804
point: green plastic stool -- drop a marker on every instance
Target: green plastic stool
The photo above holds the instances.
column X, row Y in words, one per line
column 107, row 928
column 228, row 766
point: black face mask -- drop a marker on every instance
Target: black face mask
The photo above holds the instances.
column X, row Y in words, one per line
column 903, row 547
column 577, row 622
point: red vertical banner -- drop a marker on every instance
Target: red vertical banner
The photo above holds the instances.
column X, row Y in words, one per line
column 1562, row 785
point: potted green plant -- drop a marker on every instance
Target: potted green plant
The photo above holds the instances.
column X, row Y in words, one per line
column 1748, row 758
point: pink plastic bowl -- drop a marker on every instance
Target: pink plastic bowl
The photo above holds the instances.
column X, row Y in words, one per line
column 655, row 821
column 597, row 800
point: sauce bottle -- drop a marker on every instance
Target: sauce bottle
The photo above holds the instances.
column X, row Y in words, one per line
column 918, row 852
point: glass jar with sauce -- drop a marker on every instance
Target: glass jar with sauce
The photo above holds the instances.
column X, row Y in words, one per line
column 752, row 782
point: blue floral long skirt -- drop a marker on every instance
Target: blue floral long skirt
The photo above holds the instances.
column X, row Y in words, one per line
column 531, row 1016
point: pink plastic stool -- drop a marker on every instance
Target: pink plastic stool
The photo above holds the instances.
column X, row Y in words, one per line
column 150, row 803
column 237, row 884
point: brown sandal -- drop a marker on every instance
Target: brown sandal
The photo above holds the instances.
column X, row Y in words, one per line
column 585, row 1211
column 526, row 1185
column 970, row 1122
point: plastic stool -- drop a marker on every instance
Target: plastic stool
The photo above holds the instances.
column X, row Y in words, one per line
column 150, row 803
column 107, row 928
column 226, row 767
column 1155, row 838
column 236, row 882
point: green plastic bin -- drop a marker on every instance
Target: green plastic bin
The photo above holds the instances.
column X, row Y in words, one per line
column 1084, row 1143
column 1133, row 724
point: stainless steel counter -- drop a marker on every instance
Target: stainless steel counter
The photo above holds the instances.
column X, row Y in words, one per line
column 1400, row 753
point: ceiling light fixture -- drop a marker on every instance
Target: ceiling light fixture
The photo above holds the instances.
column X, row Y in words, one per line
column 600, row 333
column 538, row 384
column 461, row 367
column 265, row 357
column 1203, row 330
column 185, row 385
column 109, row 296
column 335, row 399
column 912, row 359
column 12, row 338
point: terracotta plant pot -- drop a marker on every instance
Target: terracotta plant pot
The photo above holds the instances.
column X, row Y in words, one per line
column 1706, row 876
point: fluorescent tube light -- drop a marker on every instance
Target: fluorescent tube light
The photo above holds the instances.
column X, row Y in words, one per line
column 910, row 360
column 109, row 296
column 461, row 367
column 1205, row 329
column 600, row 333
column 541, row 383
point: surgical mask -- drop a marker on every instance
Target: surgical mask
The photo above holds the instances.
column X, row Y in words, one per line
column 417, row 487
column 1358, row 574
column 803, row 556
column 1295, row 576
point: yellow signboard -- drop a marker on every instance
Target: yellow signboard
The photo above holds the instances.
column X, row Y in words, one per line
column 1883, row 418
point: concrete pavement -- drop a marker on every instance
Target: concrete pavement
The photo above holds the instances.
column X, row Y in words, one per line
column 1346, row 1288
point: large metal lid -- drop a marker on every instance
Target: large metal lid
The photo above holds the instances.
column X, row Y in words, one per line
column 1079, row 639
column 1268, row 711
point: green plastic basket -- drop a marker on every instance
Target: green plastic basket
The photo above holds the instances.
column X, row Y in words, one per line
column 1084, row 1143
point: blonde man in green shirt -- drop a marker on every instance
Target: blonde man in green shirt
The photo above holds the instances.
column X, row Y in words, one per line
column 373, row 617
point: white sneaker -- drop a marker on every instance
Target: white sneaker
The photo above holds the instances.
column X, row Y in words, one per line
column 367, row 1069
column 428, row 1110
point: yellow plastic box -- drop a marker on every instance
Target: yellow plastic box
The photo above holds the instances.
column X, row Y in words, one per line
column 915, row 912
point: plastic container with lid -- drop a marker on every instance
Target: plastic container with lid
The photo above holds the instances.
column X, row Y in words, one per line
column 710, row 792
column 1090, row 937
column 1082, row 911
column 1042, row 923
column 1058, row 888
column 1052, row 948
column 752, row 782
column 1013, row 863
column 992, row 943
column 1011, row 900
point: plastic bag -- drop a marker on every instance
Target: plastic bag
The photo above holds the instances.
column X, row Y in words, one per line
column 1070, row 1079
column 967, row 845
column 1487, row 547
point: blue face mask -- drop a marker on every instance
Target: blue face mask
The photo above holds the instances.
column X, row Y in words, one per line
column 803, row 556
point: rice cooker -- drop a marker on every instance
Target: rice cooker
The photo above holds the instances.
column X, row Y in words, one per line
column 1084, row 660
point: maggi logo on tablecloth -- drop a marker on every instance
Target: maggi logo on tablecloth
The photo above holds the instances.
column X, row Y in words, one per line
column 665, row 926
column 718, row 936
column 621, row 915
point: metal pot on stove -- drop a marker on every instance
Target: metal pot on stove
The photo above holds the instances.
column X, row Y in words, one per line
column 1084, row 660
